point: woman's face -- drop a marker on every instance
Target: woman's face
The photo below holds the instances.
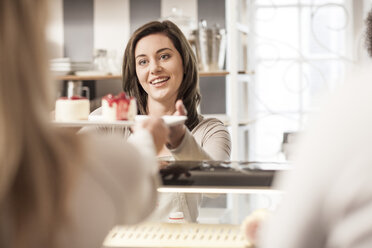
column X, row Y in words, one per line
column 159, row 67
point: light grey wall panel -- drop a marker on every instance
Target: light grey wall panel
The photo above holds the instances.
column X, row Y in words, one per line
column 213, row 11
column 143, row 11
column 213, row 89
column 213, row 95
column 78, row 29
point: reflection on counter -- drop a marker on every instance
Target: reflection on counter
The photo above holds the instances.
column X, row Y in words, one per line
column 220, row 173
column 219, row 223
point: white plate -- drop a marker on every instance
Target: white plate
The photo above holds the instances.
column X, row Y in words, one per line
column 97, row 120
column 170, row 120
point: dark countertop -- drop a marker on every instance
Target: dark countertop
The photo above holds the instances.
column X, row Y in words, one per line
column 220, row 173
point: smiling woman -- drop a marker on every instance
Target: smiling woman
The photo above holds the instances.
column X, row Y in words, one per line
column 160, row 70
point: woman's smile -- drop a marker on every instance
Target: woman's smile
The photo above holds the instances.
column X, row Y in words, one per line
column 160, row 81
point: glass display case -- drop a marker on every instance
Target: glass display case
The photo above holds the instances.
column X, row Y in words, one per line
column 231, row 191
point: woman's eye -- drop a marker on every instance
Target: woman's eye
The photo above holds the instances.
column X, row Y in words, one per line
column 142, row 62
column 164, row 56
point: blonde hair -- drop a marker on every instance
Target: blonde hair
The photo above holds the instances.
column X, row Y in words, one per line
column 35, row 159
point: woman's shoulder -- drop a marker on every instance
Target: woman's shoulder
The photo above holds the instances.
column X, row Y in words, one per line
column 206, row 122
column 210, row 127
column 213, row 136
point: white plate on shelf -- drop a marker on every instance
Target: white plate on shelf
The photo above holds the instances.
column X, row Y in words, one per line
column 97, row 120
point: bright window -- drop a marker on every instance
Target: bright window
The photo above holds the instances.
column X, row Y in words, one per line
column 300, row 53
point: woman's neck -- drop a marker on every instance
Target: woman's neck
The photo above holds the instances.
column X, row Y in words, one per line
column 160, row 108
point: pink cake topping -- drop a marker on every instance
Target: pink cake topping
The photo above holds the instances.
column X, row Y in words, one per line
column 111, row 99
column 72, row 98
column 122, row 102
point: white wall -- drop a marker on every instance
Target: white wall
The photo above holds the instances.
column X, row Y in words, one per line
column 54, row 31
column 189, row 8
column 111, row 25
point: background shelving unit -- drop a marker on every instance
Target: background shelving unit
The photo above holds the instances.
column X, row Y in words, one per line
column 87, row 78
column 113, row 77
column 237, row 15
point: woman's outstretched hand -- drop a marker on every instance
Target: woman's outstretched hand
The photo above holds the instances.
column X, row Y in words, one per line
column 177, row 132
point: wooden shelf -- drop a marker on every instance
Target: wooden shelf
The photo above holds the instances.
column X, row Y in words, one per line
column 213, row 73
column 108, row 77
column 86, row 78
column 246, row 72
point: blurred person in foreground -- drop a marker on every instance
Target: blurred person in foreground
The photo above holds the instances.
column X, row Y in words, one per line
column 58, row 189
column 328, row 200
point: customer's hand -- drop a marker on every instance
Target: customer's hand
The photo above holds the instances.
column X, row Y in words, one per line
column 177, row 132
column 252, row 224
column 158, row 130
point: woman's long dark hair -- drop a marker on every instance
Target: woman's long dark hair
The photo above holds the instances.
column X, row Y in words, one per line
column 189, row 89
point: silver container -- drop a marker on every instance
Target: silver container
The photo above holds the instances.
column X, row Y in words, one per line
column 210, row 47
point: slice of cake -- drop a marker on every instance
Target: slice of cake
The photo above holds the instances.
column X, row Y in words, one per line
column 72, row 109
column 120, row 107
